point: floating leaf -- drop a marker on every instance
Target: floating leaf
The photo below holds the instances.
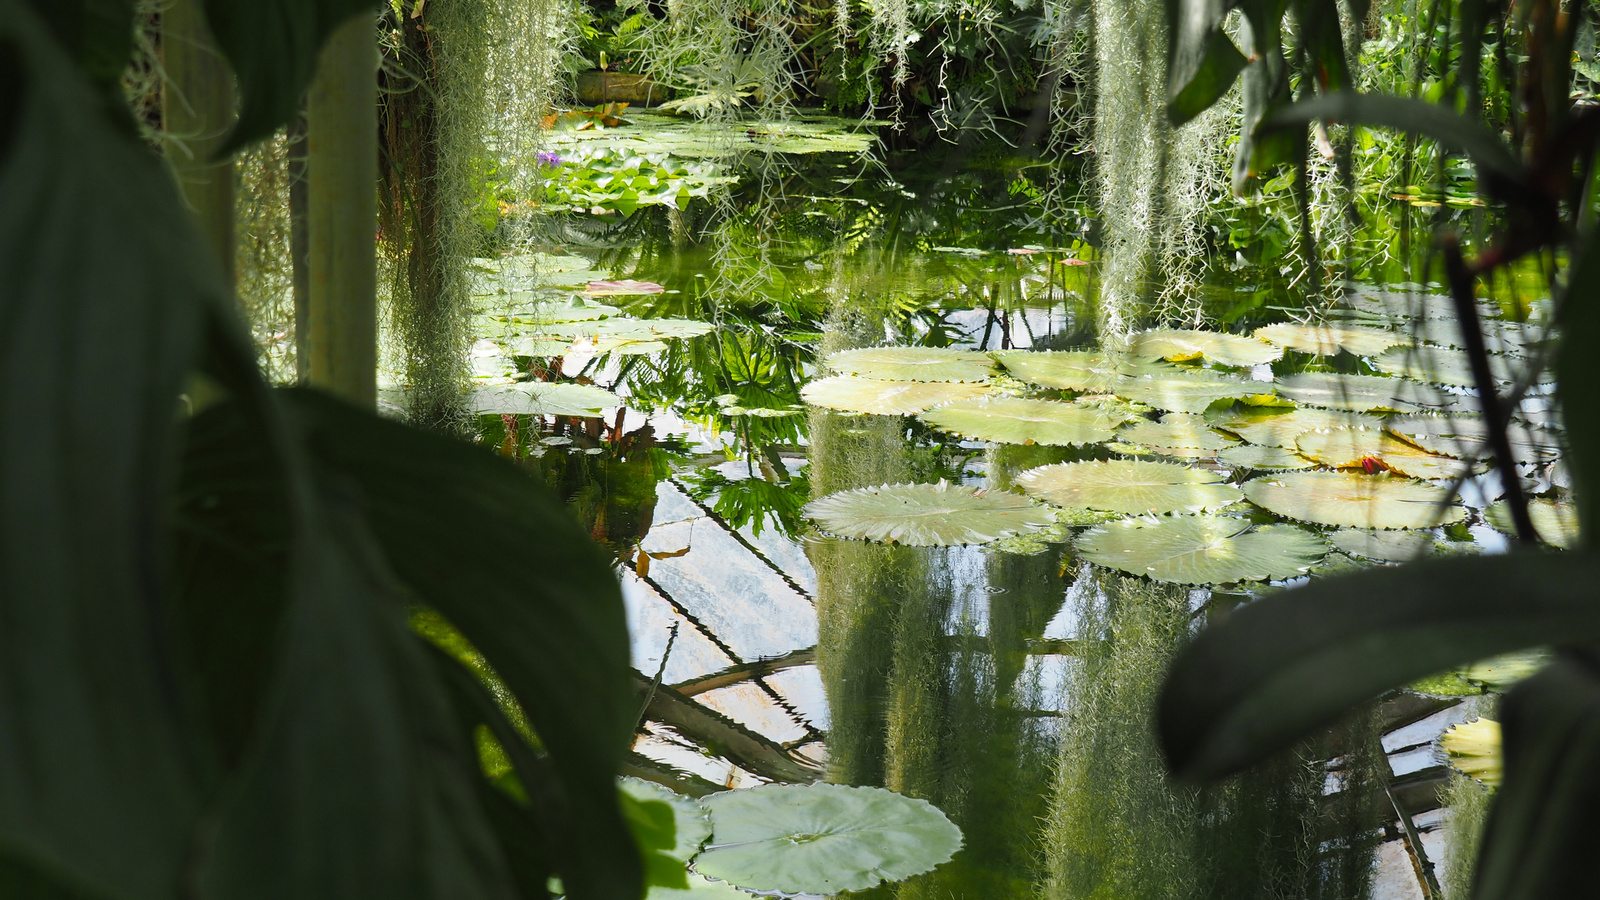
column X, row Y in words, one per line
column 691, row 824
column 1073, row 370
column 1250, row 456
column 1466, row 437
column 1356, row 501
column 623, row 288
column 1404, row 306
column 1177, row 430
column 574, row 309
column 1500, row 672
column 1382, row 546
column 1363, row 393
column 1190, row 392
column 1473, row 749
column 1437, row 365
column 1014, row 420
column 629, row 329
column 927, row 515
column 1283, row 427
column 1557, row 523
column 1133, row 487
column 1202, row 549
column 913, row 364
column 1224, row 349
column 541, row 398
column 849, row 393
column 1372, row 450
column 1327, row 340
column 823, row 838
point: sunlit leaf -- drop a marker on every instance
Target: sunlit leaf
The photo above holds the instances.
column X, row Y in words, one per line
column 1363, row 393
column 1014, row 420
column 625, row 287
column 912, row 364
column 1202, row 549
column 1133, row 487
column 1556, row 522
column 1466, row 436
column 1283, row 427
column 1175, row 430
column 1252, row 456
column 542, row 398
column 1498, row 673
column 1327, row 340
column 1372, row 450
column 1473, row 749
column 1355, row 501
column 848, row 393
column 1074, row 370
column 629, row 329
column 1438, row 365
column 1381, row 546
column 927, row 515
column 822, row 838
column 1190, row 392
column 1224, row 349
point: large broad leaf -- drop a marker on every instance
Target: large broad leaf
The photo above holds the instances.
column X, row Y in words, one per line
column 1074, row 370
column 1134, row 487
column 1283, row 427
column 927, row 515
column 1252, row 456
column 913, row 364
column 543, row 398
column 1542, row 828
column 1372, row 449
column 100, row 289
column 1281, row 667
column 1190, row 392
column 273, row 47
column 1175, row 430
column 848, row 393
column 1355, row 501
column 558, row 641
column 1381, row 546
column 1361, row 393
column 1327, row 340
column 1556, row 522
column 822, row 838
column 1438, row 365
column 1224, row 349
column 1202, row 549
column 1014, row 420
column 1466, row 437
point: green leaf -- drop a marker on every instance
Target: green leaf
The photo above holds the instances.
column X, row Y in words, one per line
column 927, row 515
column 1473, row 749
column 1202, row 549
column 913, row 364
column 100, row 291
column 1327, row 340
column 848, row 393
column 273, row 47
column 1354, row 500
column 1132, row 487
column 1540, row 838
column 97, row 34
column 1279, row 668
column 1204, row 62
column 822, row 838
column 1578, row 380
column 1016, row 420
column 558, row 641
column 1224, row 349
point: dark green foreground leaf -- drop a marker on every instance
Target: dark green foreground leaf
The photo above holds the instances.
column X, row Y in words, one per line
column 1284, row 666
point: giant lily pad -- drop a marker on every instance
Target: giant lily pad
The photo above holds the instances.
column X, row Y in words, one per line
column 1557, row 523
column 1466, row 437
column 1014, row 420
column 541, row 398
column 1327, row 340
column 927, row 515
column 1225, row 349
column 1355, row 501
column 1252, row 456
column 822, row 838
column 1498, row 673
column 1437, row 365
column 1190, row 392
column 1282, row 427
column 1128, row 486
column 1202, row 549
column 1473, row 749
column 913, row 364
column 848, row 393
column 1175, row 430
column 1363, row 393
column 1382, row 546
column 1372, row 450
column 624, row 329
column 624, row 288
column 1073, row 370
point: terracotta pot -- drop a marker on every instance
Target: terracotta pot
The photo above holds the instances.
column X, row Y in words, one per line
column 618, row 87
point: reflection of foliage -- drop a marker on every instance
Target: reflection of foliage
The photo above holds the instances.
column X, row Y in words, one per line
column 756, row 502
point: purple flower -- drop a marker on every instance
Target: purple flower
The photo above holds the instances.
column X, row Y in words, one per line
column 550, row 158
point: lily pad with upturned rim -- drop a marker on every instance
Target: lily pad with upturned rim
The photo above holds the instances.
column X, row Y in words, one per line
column 912, row 364
column 1282, row 427
column 1556, row 523
column 927, row 515
column 1381, row 546
column 1373, row 449
column 1130, row 487
column 1359, row 393
column 1015, row 420
column 1175, row 430
column 848, row 393
column 1437, row 365
column 822, row 838
column 626, row 287
column 1190, row 392
column 1177, row 345
column 1074, row 370
column 1254, row 456
column 541, row 398
column 1473, row 749
column 1355, row 501
column 1202, row 549
column 1328, row 340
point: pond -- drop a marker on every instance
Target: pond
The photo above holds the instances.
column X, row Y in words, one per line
column 892, row 505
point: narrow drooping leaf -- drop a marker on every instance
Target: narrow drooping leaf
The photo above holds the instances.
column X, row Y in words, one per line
column 1202, row 549
column 927, row 515
column 101, row 288
column 1285, row 665
column 822, row 838
column 1203, row 63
